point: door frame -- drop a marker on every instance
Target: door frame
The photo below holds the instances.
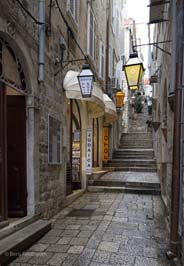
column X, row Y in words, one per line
column 3, row 140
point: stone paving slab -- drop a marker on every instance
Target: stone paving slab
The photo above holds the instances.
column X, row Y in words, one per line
column 123, row 230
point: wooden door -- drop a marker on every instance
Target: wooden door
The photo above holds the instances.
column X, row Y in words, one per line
column 3, row 173
column 16, row 156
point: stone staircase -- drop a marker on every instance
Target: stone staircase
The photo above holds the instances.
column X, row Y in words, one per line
column 135, row 153
column 132, row 168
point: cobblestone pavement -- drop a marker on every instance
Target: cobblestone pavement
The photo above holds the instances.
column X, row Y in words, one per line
column 104, row 229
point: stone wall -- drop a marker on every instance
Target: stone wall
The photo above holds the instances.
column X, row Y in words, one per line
column 47, row 181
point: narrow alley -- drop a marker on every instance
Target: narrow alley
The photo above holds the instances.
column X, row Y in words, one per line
column 120, row 222
column 91, row 133
column 103, row 229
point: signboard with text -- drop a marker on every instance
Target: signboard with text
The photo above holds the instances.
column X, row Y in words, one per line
column 105, row 144
column 89, row 151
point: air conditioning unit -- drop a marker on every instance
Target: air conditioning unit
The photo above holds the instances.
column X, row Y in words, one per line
column 114, row 83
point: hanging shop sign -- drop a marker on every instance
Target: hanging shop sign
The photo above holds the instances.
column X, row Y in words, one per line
column 105, row 144
column 89, row 151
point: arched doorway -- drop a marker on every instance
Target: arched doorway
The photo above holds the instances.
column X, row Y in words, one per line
column 73, row 174
column 13, row 174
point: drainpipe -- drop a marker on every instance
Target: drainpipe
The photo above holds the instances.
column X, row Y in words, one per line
column 176, row 170
column 107, row 48
column 41, row 56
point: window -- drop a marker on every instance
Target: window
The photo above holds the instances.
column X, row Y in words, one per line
column 72, row 7
column 54, row 140
column 110, row 61
column 102, row 61
column 91, row 33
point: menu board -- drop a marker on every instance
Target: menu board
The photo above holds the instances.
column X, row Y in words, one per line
column 76, row 157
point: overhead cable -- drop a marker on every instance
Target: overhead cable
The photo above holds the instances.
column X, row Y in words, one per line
column 28, row 13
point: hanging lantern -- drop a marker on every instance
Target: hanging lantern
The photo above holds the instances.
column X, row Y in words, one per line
column 119, row 99
column 134, row 72
column 86, row 81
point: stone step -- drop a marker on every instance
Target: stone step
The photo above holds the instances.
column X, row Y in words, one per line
column 17, row 225
column 137, row 134
column 135, row 139
column 136, row 190
column 132, row 152
column 132, row 156
column 135, row 150
column 131, row 162
column 131, row 169
column 95, row 175
column 128, row 184
column 135, row 146
column 137, row 142
column 14, row 244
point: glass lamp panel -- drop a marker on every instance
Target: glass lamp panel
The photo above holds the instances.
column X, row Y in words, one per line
column 133, row 88
column 86, row 85
column 132, row 74
column 141, row 73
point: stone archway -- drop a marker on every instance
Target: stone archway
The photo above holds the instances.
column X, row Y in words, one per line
column 15, row 90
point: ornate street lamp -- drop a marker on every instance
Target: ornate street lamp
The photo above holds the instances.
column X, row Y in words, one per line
column 119, row 99
column 133, row 71
column 86, row 81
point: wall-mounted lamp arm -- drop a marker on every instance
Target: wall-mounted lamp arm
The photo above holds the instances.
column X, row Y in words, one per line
column 161, row 49
column 156, row 45
column 67, row 62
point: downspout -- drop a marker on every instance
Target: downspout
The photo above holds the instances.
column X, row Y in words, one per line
column 176, row 171
column 107, row 48
column 41, row 56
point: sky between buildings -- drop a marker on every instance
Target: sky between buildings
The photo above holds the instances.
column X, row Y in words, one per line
column 138, row 10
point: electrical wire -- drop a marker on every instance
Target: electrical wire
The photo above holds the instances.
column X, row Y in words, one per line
column 28, row 13
column 69, row 29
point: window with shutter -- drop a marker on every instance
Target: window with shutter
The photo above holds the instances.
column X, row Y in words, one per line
column 110, row 61
column 91, row 33
column 72, row 7
column 102, row 61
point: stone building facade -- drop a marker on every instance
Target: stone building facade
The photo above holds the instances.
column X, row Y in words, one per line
column 45, row 122
column 166, row 79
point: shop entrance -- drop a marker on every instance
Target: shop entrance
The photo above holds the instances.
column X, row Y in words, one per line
column 73, row 170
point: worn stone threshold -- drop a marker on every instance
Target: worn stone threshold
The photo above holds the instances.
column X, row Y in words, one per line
column 17, row 225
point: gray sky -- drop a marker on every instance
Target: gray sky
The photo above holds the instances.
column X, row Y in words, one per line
column 138, row 10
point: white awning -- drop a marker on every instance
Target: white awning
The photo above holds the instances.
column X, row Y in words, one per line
column 96, row 105
column 110, row 109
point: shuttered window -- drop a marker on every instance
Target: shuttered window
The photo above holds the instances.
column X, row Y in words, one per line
column 91, row 34
column 72, row 7
column 102, row 61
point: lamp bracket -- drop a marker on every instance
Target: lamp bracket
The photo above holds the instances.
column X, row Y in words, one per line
column 75, row 60
column 66, row 64
column 156, row 45
column 152, row 43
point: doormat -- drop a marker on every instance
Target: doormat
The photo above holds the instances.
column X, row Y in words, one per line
column 81, row 213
